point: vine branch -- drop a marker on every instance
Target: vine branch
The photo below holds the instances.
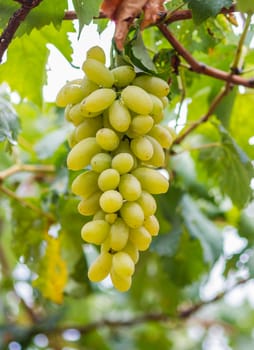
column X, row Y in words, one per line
column 201, row 68
column 14, row 23
column 25, row 167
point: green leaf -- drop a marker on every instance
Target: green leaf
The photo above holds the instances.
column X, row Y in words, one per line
column 203, row 9
column 24, row 69
column 46, row 13
column 138, row 54
column 200, row 227
column 7, row 8
column 86, row 10
column 230, row 167
column 9, row 122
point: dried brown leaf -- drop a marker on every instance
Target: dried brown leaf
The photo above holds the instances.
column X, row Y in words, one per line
column 152, row 11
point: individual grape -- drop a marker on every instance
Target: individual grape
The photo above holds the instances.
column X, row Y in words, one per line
column 164, row 101
column 96, row 53
column 158, row 157
column 111, row 218
column 90, row 205
column 152, row 225
column 72, row 141
column 88, row 128
column 81, row 154
column 99, row 215
column 100, row 268
column 100, row 162
column 141, row 124
column 98, row 100
column 105, row 246
column 108, row 179
column 137, row 99
column 122, row 264
column 119, row 116
column 75, row 114
column 151, row 180
column 142, row 148
column 152, row 84
column 123, row 75
column 70, row 93
column 66, row 112
column 141, row 238
column 157, row 111
column 132, row 214
column 111, row 201
column 123, row 162
column 147, row 203
column 95, row 231
column 162, row 135
column 118, row 235
column 130, row 187
column 107, row 139
column 85, row 184
column 120, row 283
column 88, row 86
column 98, row 73
column 132, row 251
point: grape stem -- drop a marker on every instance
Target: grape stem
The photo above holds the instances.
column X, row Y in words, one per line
column 26, row 168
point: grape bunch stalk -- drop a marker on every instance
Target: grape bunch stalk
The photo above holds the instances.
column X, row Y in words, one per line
column 119, row 144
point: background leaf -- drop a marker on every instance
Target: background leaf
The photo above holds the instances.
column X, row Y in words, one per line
column 9, row 122
column 86, row 10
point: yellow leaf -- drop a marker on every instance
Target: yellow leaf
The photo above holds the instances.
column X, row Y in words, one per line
column 52, row 271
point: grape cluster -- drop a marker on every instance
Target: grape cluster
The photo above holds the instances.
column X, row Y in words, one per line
column 120, row 144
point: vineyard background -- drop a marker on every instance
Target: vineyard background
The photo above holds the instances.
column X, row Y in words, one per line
column 193, row 288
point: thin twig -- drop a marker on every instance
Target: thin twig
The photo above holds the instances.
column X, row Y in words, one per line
column 205, row 117
column 26, row 168
column 14, row 22
column 200, row 67
column 26, row 204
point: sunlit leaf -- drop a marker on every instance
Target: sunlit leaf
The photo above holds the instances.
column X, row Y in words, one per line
column 86, row 10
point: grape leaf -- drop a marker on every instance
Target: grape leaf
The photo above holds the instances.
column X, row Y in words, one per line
column 230, row 167
column 86, row 10
column 46, row 13
column 200, row 227
column 245, row 5
column 9, row 122
column 203, row 9
column 7, row 8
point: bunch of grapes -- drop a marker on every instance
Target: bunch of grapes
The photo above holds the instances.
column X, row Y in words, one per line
column 119, row 143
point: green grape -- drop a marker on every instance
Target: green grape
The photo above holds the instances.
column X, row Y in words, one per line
column 100, row 268
column 107, row 139
column 142, row 148
column 141, row 124
column 129, row 187
column 98, row 101
column 70, row 93
column 88, row 86
column 151, row 180
column 67, row 113
column 97, row 53
column 118, row 235
column 152, row 225
column 147, row 203
column 99, row 215
column 88, row 128
column 164, row 101
column 154, row 85
column 111, row 218
column 75, row 115
column 119, row 282
column 72, row 141
column 158, row 157
column 108, row 179
column 137, row 99
column 123, row 75
column 123, row 162
column 162, row 135
column 132, row 251
column 90, row 205
column 123, row 264
column 119, row 116
column 105, row 246
column 100, row 162
column 157, row 111
column 132, row 214
column 85, row 184
column 141, row 238
column 98, row 73
column 81, row 154
column 111, row 201
column 95, row 231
